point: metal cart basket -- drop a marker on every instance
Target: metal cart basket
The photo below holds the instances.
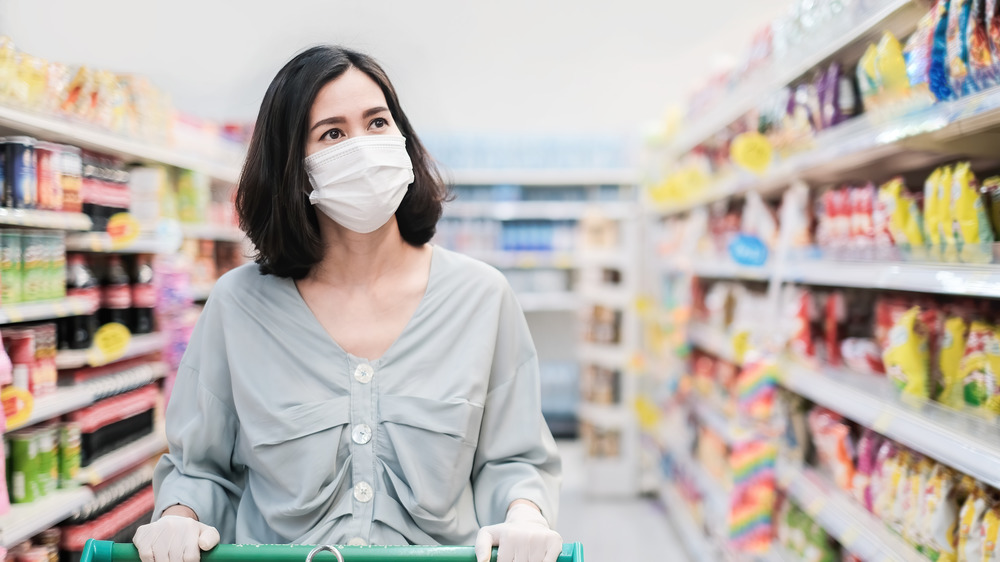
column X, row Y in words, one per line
column 107, row 551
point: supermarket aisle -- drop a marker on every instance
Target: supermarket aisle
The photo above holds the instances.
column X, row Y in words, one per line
column 612, row 529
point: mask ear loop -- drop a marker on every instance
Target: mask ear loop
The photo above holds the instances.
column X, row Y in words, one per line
column 321, row 548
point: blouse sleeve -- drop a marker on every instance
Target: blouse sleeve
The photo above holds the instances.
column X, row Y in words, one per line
column 516, row 457
column 200, row 471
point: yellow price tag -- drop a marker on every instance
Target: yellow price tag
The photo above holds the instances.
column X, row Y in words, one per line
column 564, row 261
column 14, row 315
column 110, row 343
column 881, row 423
column 815, row 506
column 59, row 309
column 648, row 413
column 17, row 405
column 741, row 344
column 752, row 151
column 123, row 230
column 849, row 537
column 527, row 261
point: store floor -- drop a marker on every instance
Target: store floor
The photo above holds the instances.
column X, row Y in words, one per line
column 612, row 530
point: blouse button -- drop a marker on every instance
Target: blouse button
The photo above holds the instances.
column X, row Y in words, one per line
column 363, row 492
column 364, row 373
column 357, row 541
column 362, row 433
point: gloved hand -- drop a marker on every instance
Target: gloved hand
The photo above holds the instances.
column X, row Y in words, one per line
column 524, row 536
column 174, row 538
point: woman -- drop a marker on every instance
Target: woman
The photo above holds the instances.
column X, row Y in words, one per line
column 356, row 385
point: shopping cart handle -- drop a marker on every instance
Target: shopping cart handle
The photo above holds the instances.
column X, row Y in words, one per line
column 107, row 551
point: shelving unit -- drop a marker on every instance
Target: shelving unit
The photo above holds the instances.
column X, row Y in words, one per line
column 695, row 542
column 100, row 242
column 140, row 345
column 712, row 340
column 45, row 219
column 26, row 520
column 534, row 210
column 45, row 310
column 541, row 177
column 128, row 456
column 856, row 529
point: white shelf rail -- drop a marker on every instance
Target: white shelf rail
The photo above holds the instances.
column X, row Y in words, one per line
column 45, row 219
column 712, row 340
column 27, row 520
column 138, row 346
column 45, row 310
column 100, row 242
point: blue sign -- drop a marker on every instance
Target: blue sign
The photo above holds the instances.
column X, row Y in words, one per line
column 748, row 250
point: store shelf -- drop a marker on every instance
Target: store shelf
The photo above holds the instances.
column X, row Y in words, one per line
column 965, row 442
column 610, row 297
column 715, row 498
column 219, row 233
column 717, row 421
column 61, row 129
column 139, row 345
column 538, row 210
column 602, row 258
column 27, row 520
column 100, row 242
column 607, row 416
column 45, row 310
column 711, row 340
column 126, row 457
column 568, row 177
column 609, row 356
column 565, row 301
column 511, row 259
column 714, row 268
column 938, row 278
column 45, row 219
column 71, row 398
column 697, row 545
column 62, row 401
column 847, row 521
column 899, row 16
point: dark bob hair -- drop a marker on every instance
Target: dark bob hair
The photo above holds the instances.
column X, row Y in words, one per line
column 272, row 198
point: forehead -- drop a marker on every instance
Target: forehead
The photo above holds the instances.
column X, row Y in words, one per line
column 350, row 93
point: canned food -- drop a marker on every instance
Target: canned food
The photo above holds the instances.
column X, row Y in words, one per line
column 48, row 171
column 72, row 179
column 20, row 178
column 33, row 265
column 10, row 267
column 48, row 459
column 34, row 554
column 24, row 467
column 69, row 453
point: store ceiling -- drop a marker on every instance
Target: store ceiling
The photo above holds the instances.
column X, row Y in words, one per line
column 518, row 66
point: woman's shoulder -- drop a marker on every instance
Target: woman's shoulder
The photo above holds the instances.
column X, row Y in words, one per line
column 241, row 280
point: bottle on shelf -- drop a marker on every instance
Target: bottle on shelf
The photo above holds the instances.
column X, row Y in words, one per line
column 116, row 294
column 80, row 282
column 143, row 295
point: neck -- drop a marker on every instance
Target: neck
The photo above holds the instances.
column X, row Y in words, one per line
column 352, row 259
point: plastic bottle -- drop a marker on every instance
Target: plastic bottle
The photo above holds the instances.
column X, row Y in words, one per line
column 81, row 282
column 116, row 294
column 143, row 296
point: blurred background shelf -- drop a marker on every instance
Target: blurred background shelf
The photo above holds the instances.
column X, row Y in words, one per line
column 45, row 310
column 56, row 220
column 26, row 520
column 139, row 345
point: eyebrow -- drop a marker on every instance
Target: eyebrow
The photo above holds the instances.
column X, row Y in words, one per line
column 336, row 120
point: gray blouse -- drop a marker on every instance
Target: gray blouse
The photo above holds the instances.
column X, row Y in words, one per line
column 277, row 435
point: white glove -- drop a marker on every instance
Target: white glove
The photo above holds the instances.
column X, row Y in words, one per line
column 174, row 538
column 525, row 536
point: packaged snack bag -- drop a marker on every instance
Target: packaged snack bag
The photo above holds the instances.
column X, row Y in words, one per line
column 952, row 350
column 862, row 201
column 991, row 193
column 839, row 99
column 904, row 222
column 946, row 224
column 991, row 534
column 890, row 68
column 832, row 438
column 907, row 359
column 982, row 65
column 980, row 365
column 834, row 314
column 862, row 355
column 940, row 524
column 940, row 77
column 907, row 463
column 868, row 85
column 917, row 53
column 913, row 507
column 932, row 207
column 970, row 523
column 972, row 223
column 957, row 47
column 868, row 449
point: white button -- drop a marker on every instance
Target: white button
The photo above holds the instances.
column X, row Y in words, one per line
column 364, row 373
column 363, row 492
column 362, row 433
column 357, row 541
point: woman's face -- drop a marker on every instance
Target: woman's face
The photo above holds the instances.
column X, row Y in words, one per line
column 348, row 107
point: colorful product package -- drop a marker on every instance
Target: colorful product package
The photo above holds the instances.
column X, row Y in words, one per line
column 919, row 477
column 946, row 217
column 868, row 85
column 907, row 463
column 905, row 225
column 890, row 68
column 884, row 479
column 982, row 63
column 834, row 315
column 907, row 357
column 972, row 222
column 958, row 50
column 970, row 522
column 917, row 53
column 992, row 17
column 940, row 78
column 980, row 367
column 991, row 534
column 868, row 448
column 932, row 208
column 862, row 206
column 991, row 193
column 940, row 512
column 832, row 438
column 952, row 350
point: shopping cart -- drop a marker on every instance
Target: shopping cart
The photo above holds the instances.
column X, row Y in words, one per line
column 107, row 551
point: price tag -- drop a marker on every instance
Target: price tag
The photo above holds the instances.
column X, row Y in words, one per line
column 849, row 537
column 527, row 261
column 748, row 250
column 110, row 344
column 752, row 151
column 123, row 230
column 17, row 405
column 14, row 315
column 741, row 344
column 881, row 423
column 60, row 309
column 815, row 506
column 564, row 261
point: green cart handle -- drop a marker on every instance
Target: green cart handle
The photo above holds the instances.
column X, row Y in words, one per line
column 107, row 551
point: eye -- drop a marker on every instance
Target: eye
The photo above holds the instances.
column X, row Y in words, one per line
column 379, row 123
column 332, row 134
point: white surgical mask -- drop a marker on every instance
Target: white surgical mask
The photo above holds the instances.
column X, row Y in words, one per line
column 360, row 182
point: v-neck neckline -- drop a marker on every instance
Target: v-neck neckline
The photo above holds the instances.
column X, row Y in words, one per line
column 317, row 325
